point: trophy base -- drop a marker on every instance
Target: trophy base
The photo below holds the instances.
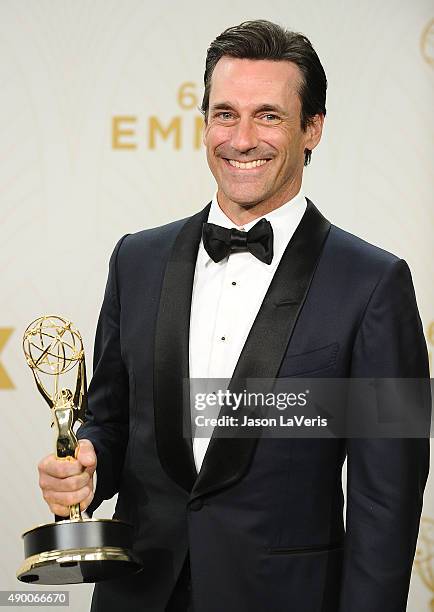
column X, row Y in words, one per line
column 77, row 566
column 73, row 552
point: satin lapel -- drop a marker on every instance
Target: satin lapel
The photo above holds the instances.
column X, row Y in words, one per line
column 227, row 459
column 171, row 355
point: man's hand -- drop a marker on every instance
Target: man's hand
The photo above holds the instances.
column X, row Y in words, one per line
column 64, row 483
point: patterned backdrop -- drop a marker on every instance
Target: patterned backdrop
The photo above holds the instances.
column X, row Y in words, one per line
column 100, row 135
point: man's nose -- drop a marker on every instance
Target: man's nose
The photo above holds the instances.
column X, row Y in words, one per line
column 244, row 136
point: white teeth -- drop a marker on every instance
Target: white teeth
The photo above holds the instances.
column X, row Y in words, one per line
column 247, row 165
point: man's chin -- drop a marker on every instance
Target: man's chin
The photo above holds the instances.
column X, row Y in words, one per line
column 248, row 205
column 245, row 200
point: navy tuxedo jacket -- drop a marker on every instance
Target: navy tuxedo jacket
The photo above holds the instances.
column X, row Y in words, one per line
column 263, row 520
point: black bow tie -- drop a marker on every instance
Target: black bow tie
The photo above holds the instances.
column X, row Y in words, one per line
column 220, row 241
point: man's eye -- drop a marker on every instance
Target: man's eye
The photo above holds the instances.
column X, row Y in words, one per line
column 270, row 117
column 225, row 115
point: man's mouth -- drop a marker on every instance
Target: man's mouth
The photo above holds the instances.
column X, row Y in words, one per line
column 255, row 163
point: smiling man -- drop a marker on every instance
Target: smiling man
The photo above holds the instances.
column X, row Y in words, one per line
column 254, row 137
column 258, row 284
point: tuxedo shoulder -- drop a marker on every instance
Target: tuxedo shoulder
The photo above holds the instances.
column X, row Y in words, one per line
column 154, row 236
column 352, row 249
column 154, row 243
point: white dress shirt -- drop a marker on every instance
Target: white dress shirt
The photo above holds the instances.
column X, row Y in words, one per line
column 227, row 296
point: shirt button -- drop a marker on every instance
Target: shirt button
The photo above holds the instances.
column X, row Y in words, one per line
column 234, row 283
column 223, row 338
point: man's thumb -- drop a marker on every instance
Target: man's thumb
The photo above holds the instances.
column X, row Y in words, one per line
column 86, row 454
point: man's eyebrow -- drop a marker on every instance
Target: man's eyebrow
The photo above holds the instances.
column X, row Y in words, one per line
column 270, row 108
column 221, row 106
column 275, row 108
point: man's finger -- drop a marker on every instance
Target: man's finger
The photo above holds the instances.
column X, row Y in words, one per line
column 59, row 510
column 59, row 468
column 66, row 498
column 73, row 483
column 85, row 504
column 86, row 454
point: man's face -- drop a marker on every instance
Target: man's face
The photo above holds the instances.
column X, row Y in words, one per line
column 253, row 137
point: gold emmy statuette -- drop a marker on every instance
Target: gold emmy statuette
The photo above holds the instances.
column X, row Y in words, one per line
column 77, row 549
column 424, row 558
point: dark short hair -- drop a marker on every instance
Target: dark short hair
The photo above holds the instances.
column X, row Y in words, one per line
column 261, row 39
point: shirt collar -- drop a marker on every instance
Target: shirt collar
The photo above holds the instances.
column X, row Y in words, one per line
column 284, row 221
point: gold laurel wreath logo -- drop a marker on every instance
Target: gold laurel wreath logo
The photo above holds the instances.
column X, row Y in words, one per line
column 423, row 560
column 427, row 43
column 430, row 333
column 5, row 380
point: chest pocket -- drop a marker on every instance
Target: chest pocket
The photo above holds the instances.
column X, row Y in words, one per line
column 310, row 362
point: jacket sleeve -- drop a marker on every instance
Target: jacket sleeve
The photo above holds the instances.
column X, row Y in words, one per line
column 106, row 423
column 385, row 477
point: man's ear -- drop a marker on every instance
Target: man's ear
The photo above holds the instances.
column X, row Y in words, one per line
column 314, row 131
